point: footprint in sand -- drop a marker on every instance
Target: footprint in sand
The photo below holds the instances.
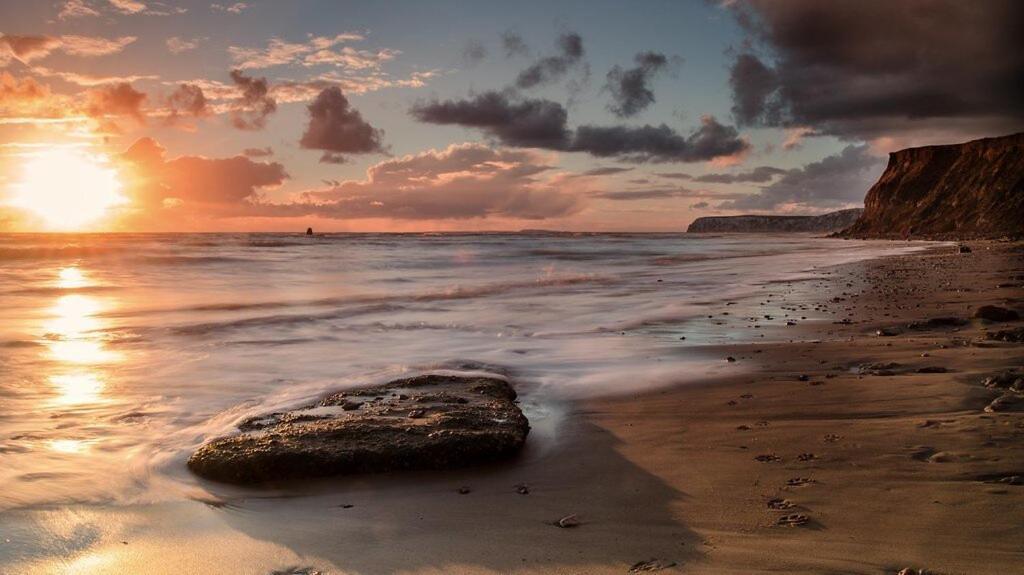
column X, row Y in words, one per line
column 768, row 458
column 779, row 503
column 651, row 565
column 799, row 481
column 794, row 520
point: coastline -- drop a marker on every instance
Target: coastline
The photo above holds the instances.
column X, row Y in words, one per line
column 668, row 475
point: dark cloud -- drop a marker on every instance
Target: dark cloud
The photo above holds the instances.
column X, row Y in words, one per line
column 513, row 44
column 630, row 89
column 337, row 128
column 256, row 103
column 835, row 181
column 608, row 171
column 674, row 175
column 754, row 91
column 473, row 52
column 759, row 174
column 651, row 194
column 258, row 152
column 553, row 68
column 660, row 143
column 187, row 99
column 520, row 122
column 879, row 68
column 538, row 123
column 118, row 99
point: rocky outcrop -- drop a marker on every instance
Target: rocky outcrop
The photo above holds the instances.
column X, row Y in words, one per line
column 825, row 223
column 425, row 422
column 959, row 191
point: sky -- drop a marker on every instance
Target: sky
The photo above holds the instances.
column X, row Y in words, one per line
column 274, row 115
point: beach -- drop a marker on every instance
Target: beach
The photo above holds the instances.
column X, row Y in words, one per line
column 686, row 468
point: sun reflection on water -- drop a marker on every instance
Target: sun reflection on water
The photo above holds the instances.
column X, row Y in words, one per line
column 70, row 277
column 78, row 388
column 69, row 445
column 74, row 343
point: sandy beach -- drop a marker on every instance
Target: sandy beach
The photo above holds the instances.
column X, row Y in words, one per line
column 878, row 467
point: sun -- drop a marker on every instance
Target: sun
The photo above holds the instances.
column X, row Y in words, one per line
column 68, row 189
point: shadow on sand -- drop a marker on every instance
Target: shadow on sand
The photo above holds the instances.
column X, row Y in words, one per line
column 421, row 522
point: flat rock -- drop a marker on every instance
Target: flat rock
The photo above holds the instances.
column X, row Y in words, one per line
column 996, row 313
column 937, row 323
column 424, row 422
column 1015, row 335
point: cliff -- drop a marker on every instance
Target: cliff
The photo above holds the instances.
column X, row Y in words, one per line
column 959, row 191
column 830, row 222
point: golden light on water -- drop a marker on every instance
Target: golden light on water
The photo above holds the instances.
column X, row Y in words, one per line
column 68, row 188
column 75, row 344
column 69, row 445
column 78, row 388
column 70, row 277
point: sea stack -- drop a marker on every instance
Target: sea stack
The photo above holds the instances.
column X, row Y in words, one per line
column 309, row 231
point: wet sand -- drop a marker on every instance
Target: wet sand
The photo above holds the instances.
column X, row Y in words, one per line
column 890, row 471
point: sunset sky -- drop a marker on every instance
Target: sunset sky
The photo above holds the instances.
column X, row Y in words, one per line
column 147, row 115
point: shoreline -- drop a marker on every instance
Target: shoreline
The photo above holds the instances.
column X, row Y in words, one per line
column 668, row 475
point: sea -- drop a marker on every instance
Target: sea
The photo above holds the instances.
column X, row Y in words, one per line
column 122, row 353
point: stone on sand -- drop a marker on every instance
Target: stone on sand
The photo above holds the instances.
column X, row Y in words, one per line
column 458, row 421
column 996, row 313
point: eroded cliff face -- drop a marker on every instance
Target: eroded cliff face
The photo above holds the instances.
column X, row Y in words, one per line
column 825, row 223
column 957, row 191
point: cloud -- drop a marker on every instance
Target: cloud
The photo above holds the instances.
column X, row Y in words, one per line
column 256, row 104
column 195, row 184
column 83, row 8
column 316, row 51
column 462, row 181
column 258, row 152
column 607, row 171
column 116, row 100
column 553, row 68
column 337, row 128
column 88, row 80
column 651, row 194
column 835, row 181
column 128, row 6
column 877, row 68
column 303, row 91
column 630, row 89
column 76, row 9
column 187, row 100
column 94, row 45
column 700, row 206
column 178, row 45
column 26, row 97
column 661, row 143
column 795, row 136
column 473, row 52
column 26, row 48
column 513, row 44
column 233, row 8
column 538, row 123
column 525, row 123
column 759, row 174
column 674, row 175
